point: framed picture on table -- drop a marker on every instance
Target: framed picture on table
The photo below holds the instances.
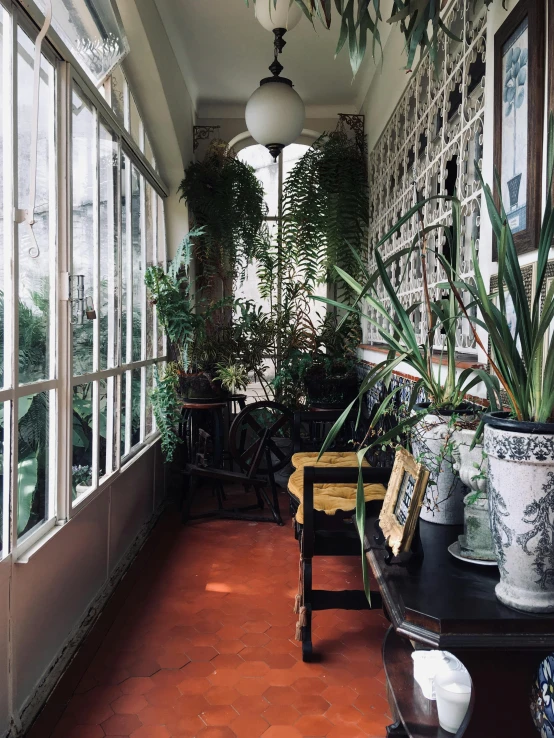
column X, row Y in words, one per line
column 402, row 503
column 519, row 71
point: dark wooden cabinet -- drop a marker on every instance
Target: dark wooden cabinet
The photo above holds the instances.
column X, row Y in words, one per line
column 451, row 605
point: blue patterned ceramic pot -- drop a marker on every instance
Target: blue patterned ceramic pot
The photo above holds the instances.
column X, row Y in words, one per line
column 542, row 699
column 521, row 502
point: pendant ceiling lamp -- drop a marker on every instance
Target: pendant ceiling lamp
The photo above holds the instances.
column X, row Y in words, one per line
column 275, row 113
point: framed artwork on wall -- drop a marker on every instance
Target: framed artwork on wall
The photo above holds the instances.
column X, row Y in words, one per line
column 519, row 68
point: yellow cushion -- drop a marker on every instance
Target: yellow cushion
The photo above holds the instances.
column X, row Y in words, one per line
column 344, row 459
column 329, row 498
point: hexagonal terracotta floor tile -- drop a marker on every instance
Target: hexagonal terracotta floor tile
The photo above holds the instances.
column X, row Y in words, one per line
column 129, row 704
column 281, row 715
column 221, row 695
column 219, row 715
column 121, row 724
column 253, row 669
column 137, row 685
column 282, row 731
column 280, row 695
column 201, row 653
column 310, row 704
column 314, row 725
column 249, row 726
column 162, row 696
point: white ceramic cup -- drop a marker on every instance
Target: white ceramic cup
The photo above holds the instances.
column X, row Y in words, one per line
column 453, row 690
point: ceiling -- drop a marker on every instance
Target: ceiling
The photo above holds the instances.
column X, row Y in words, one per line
column 223, row 52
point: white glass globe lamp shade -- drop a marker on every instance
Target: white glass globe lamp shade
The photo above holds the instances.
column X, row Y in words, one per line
column 283, row 15
column 275, row 114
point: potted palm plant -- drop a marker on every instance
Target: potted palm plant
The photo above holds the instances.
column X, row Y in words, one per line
column 520, row 442
column 431, row 422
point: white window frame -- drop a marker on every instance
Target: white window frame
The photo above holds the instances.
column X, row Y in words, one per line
column 67, row 72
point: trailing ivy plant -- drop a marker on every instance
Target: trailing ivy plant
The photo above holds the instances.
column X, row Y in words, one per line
column 326, row 209
column 227, row 202
column 420, row 22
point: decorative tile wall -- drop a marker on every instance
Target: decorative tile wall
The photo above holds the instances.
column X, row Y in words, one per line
column 430, row 143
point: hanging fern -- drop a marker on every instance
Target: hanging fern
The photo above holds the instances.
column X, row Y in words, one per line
column 325, row 208
column 227, row 201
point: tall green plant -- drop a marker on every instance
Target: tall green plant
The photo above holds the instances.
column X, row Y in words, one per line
column 521, row 357
column 445, row 391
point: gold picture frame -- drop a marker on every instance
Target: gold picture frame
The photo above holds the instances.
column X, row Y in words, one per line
column 402, row 504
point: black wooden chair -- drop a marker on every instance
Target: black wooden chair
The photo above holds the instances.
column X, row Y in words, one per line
column 324, row 535
column 253, row 446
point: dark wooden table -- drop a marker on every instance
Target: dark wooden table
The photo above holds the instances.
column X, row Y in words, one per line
column 451, row 605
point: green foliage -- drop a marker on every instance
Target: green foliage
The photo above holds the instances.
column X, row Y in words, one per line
column 169, row 291
column 233, row 377
column 325, row 207
column 445, row 391
column 227, row 202
column 522, row 357
column 167, row 408
column 420, row 22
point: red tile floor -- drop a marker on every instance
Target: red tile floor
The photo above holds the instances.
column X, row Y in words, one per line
column 203, row 645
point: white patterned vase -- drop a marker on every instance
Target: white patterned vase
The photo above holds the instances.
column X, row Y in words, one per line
column 444, row 498
column 521, row 500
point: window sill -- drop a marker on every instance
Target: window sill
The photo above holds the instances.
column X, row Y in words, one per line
column 462, row 361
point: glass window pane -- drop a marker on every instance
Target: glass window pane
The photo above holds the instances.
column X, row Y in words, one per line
column 161, row 258
column 149, row 426
column 136, row 123
column 5, row 176
column 136, row 406
column 150, row 204
column 93, row 32
column 291, row 156
column 148, row 151
column 138, row 271
column 267, row 172
column 105, row 399
column 125, row 255
column 36, row 245
column 83, row 230
column 82, row 426
column 5, row 480
column 109, row 297
column 118, row 93
column 33, row 462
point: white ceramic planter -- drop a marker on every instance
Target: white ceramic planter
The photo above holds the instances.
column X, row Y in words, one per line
column 521, row 497
column 444, row 501
column 472, row 467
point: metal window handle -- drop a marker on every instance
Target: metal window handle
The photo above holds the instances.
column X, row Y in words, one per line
column 85, row 305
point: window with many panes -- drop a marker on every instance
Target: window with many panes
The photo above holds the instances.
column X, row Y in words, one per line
column 81, row 218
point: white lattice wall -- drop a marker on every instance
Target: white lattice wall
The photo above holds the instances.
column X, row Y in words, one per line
column 434, row 135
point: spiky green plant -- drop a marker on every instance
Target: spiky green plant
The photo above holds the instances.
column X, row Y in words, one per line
column 521, row 357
